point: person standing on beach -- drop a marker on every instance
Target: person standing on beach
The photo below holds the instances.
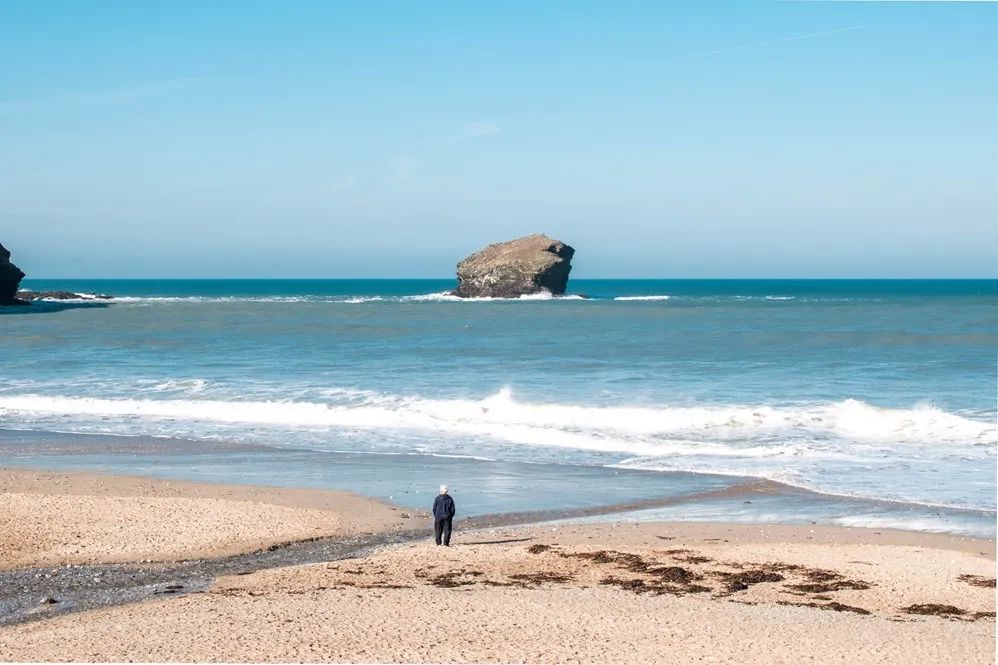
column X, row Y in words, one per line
column 443, row 516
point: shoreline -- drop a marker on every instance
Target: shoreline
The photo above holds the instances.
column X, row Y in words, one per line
column 355, row 514
column 141, row 444
column 84, row 517
column 151, row 443
column 369, row 590
column 406, row 480
column 113, row 557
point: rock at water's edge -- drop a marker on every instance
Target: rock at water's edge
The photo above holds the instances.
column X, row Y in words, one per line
column 61, row 295
column 10, row 278
column 512, row 269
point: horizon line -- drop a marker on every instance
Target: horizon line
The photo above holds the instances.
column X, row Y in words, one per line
column 454, row 279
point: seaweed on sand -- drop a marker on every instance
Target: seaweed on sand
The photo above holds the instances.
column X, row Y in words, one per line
column 538, row 548
column 536, row 579
column 978, row 581
column 837, row 607
column 933, row 609
column 450, row 580
column 743, row 580
column 825, row 581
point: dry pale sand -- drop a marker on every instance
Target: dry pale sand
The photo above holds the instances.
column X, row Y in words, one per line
column 53, row 518
column 665, row 593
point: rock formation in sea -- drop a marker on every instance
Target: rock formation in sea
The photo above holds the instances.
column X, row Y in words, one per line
column 10, row 278
column 61, row 295
column 512, row 269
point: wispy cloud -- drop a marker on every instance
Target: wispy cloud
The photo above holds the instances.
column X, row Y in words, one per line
column 477, row 128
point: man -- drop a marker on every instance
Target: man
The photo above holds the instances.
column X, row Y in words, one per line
column 443, row 516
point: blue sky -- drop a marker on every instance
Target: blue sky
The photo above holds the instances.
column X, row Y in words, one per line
column 389, row 139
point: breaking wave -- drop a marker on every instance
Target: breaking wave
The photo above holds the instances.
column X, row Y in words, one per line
column 843, row 447
column 443, row 296
column 447, row 296
column 651, row 431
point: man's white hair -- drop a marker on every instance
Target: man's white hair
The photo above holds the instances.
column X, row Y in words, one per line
column 443, row 489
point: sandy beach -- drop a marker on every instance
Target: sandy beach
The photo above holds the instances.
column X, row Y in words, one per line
column 65, row 517
column 607, row 592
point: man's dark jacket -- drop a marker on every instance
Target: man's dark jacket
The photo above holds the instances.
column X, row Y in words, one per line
column 443, row 507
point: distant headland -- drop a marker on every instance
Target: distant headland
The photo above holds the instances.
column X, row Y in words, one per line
column 531, row 265
column 10, row 279
column 11, row 294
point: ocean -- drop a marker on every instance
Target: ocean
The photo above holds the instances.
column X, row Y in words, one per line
column 873, row 398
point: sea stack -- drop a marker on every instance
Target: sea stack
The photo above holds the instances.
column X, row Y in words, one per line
column 516, row 268
column 10, row 278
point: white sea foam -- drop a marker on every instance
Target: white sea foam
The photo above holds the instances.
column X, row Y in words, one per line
column 84, row 297
column 540, row 295
column 711, row 430
column 447, row 296
column 193, row 386
column 842, row 447
column 212, row 299
column 443, row 296
column 77, row 298
column 766, row 513
column 919, row 522
column 150, row 300
column 436, row 297
column 362, row 299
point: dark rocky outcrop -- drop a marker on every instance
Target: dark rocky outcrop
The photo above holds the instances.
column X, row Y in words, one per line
column 61, row 295
column 10, row 278
column 516, row 268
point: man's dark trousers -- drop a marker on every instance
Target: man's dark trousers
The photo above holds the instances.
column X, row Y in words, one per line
column 442, row 527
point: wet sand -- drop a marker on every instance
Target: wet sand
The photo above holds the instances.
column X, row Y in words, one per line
column 606, row 592
column 483, row 487
column 59, row 518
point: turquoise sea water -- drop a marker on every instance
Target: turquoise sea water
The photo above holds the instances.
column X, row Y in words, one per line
column 872, row 389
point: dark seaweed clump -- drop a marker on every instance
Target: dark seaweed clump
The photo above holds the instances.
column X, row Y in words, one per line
column 743, row 580
column 451, row 580
column 663, row 579
column 825, row 581
column 536, row 579
column 674, row 574
column 977, row 580
column 932, row 609
column 835, row 607
column 697, row 559
column 376, row 585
